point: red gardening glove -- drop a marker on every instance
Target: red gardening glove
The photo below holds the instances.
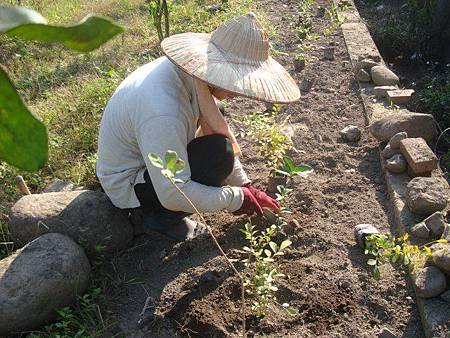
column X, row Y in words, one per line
column 263, row 199
column 250, row 204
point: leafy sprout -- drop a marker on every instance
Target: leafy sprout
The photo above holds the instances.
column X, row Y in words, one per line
column 290, row 169
column 172, row 166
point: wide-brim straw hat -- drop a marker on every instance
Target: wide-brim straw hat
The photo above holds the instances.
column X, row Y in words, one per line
column 235, row 57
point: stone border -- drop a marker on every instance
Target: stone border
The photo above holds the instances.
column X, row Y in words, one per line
column 434, row 312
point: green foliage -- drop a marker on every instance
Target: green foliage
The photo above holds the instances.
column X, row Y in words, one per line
column 265, row 130
column 23, row 140
column 281, row 196
column 262, row 252
column 83, row 319
column 385, row 248
column 23, row 137
column 290, row 169
column 171, row 166
column 159, row 10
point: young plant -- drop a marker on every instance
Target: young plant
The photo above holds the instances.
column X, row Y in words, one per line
column 387, row 249
column 281, row 197
column 173, row 166
column 262, row 252
column 265, row 130
column 290, row 169
column 159, row 10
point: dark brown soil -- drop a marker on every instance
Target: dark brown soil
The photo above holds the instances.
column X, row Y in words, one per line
column 188, row 286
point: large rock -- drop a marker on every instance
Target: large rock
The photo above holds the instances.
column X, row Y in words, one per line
column 430, row 282
column 426, row 195
column 436, row 224
column 414, row 124
column 382, row 76
column 45, row 275
column 86, row 216
column 441, row 257
column 394, row 142
column 396, row 164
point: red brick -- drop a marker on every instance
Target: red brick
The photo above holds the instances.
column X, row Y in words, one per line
column 400, row 96
column 421, row 159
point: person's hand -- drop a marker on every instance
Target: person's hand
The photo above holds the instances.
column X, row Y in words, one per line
column 250, row 204
column 263, row 199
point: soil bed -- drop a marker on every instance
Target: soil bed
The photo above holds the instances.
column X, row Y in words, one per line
column 189, row 288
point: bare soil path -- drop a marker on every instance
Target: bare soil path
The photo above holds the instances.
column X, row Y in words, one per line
column 189, row 286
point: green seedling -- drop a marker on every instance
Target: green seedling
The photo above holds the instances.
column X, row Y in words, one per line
column 172, row 166
column 281, row 197
column 290, row 169
column 262, row 253
column 387, row 249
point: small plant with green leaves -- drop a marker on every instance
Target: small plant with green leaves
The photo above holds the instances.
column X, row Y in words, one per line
column 385, row 248
column 266, row 130
column 335, row 17
column 262, row 252
column 281, row 197
column 289, row 169
column 172, row 166
column 159, row 11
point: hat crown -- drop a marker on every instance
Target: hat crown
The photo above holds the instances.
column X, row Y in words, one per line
column 242, row 39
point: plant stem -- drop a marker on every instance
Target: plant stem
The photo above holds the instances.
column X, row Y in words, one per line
column 220, row 250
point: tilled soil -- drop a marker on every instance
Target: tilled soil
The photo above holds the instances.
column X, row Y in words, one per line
column 190, row 291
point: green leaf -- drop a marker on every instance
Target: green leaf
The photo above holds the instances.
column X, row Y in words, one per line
column 23, row 137
column 89, row 34
column 273, row 246
column 376, row 273
column 371, row 262
column 13, row 16
column 155, row 160
column 285, row 244
column 171, row 160
column 268, row 253
column 406, row 260
column 292, row 311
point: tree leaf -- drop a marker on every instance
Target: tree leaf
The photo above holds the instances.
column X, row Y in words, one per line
column 89, row 34
column 285, row 244
column 268, row 253
column 23, row 137
column 155, row 160
column 179, row 166
column 171, row 160
column 13, row 16
column 371, row 262
column 273, row 246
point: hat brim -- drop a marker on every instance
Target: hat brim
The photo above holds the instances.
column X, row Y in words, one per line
column 266, row 81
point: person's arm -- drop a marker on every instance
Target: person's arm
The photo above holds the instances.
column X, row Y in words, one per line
column 238, row 176
column 160, row 134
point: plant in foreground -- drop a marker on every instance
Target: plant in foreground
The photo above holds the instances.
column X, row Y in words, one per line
column 172, row 166
column 385, row 248
column 290, row 169
column 262, row 252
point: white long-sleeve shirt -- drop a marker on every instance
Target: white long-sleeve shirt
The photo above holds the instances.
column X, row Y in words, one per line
column 155, row 109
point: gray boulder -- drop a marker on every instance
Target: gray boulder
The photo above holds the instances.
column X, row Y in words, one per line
column 414, row 124
column 394, row 142
column 46, row 274
column 396, row 164
column 430, row 282
column 363, row 76
column 388, row 152
column 86, row 216
column 441, row 257
column 382, row 76
column 436, row 224
column 426, row 195
column 420, row 230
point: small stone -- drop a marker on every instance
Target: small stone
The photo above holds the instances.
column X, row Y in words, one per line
column 292, row 227
column 386, row 333
column 421, row 159
column 363, row 76
column 46, row 274
column 396, row 164
column 374, row 57
column 446, row 233
column 426, row 195
column 306, row 85
column 446, row 296
column 362, row 230
column 214, row 8
column 381, row 91
column 351, row 133
column 394, row 142
column 328, row 53
column 399, row 96
column 382, row 76
column 436, row 224
column 429, row 282
column 414, row 124
column 58, row 185
column 441, row 257
column 365, row 64
column 299, row 65
column 420, row 230
column 388, row 152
